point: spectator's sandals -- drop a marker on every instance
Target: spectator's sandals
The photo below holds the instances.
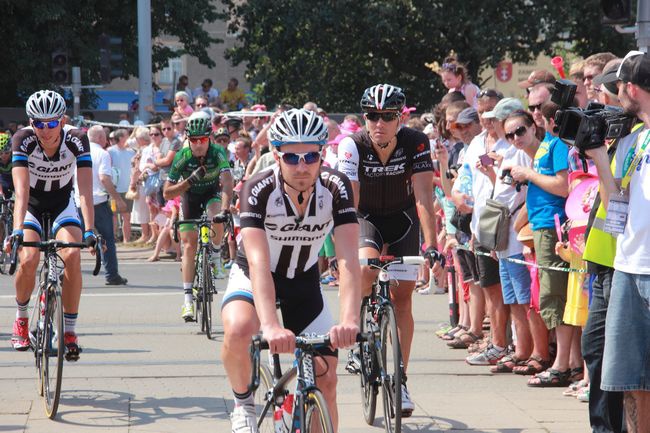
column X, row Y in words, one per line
column 507, row 364
column 550, row 378
column 533, row 365
column 464, row 340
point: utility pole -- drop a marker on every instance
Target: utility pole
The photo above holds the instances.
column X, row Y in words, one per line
column 643, row 25
column 145, row 90
column 76, row 89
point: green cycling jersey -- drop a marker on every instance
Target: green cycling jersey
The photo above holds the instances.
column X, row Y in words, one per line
column 215, row 163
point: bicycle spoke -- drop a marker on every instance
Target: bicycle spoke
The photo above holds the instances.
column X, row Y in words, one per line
column 52, row 351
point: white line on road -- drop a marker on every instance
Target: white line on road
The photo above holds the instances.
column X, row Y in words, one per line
column 107, row 295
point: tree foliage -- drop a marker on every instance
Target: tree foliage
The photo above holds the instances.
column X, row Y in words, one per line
column 35, row 28
column 330, row 50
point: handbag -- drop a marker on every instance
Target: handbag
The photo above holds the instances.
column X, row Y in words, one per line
column 152, row 184
column 494, row 225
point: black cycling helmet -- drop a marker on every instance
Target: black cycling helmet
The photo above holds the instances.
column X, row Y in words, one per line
column 383, row 97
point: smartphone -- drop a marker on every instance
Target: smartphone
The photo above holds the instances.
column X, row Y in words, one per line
column 486, row 161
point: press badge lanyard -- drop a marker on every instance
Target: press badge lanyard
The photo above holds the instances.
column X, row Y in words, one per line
column 617, row 209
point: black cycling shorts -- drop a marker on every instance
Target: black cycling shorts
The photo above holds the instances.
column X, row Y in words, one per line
column 400, row 231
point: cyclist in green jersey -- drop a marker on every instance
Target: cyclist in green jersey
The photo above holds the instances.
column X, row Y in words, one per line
column 201, row 176
column 6, row 182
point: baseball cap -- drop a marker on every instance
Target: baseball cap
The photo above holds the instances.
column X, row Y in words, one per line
column 537, row 77
column 468, row 115
column 635, row 69
column 503, row 108
column 608, row 77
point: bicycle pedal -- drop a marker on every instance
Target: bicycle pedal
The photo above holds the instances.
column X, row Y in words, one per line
column 189, row 319
column 406, row 413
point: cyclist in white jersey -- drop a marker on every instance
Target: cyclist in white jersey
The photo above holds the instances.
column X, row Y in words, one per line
column 46, row 156
column 286, row 213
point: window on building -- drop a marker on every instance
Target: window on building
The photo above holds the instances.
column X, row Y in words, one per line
column 174, row 69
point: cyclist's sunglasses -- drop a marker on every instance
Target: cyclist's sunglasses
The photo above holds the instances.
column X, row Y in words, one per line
column 199, row 140
column 51, row 124
column 519, row 132
column 388, row 116
column 295, row 158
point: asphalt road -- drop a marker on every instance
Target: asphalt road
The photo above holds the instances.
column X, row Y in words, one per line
column 144, row 370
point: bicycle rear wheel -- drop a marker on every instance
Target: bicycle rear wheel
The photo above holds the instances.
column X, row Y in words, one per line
column 264, row 423
column 391, row 366
column 52, row 350
column 368, row 358
column 317, row 414
column 208, row 285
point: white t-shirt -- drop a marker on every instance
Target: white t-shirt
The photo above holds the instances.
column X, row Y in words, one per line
column 633, row 246
column 508, row 195
column 211, row 94
column 101, row 165
column 121, row 161
column 481, row 184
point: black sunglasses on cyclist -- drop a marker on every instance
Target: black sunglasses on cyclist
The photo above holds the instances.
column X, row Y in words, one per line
column 386, row 117
column 519, row 132
column 51, row 124
column 295, row 158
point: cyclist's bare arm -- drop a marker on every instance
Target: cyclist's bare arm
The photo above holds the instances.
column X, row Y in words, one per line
column 21, row 190
column 347, row 256
column 85, row 181
column 423, row 191
column 173, row 190
column 257, row 253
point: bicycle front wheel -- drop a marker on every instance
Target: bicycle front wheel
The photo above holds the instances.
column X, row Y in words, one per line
column 265, row 422
column 6, row 226
column 198, row 292
column 52, row 350
column 391, row 366
column 317, row 415
column 368, row 358
column 208, row 287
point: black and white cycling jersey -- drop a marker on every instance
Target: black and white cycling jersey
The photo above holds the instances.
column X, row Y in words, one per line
column 295, row 241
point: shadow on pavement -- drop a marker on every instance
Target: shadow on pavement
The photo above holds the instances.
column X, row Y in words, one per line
column 97, row 408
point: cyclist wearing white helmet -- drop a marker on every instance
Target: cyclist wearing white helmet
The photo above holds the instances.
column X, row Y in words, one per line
column 46, row 156
column 391, row 171
column 286, row 213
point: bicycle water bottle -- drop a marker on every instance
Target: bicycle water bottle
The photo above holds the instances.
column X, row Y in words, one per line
column 465, row 179
column 283, row 415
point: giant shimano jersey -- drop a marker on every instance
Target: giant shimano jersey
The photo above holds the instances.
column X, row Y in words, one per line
column 51, row 178
column 294, row 242
column 185, row 163
column 385, row 189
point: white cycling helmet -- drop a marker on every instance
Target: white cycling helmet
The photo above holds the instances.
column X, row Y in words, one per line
column 45, row 104
column 298, row 126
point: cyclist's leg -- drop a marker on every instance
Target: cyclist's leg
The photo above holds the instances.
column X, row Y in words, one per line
column 189, row 239
column 370, row 246
column 406, row 244
column 240, row 323
column 213, row 207
column 190, row 209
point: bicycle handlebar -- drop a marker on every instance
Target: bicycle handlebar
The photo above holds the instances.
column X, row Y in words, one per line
column 308, row 341
column 56, row 244
column 382, row 261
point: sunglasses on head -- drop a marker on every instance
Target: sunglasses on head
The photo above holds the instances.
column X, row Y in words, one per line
column 51, row 124
column 449, row 67
column 388, row 116
column 490, row 93
column 295, row 158
column 519, row 132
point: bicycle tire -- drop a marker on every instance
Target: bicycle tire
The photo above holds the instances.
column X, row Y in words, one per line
column 198, row 295
column 51, row 357
column 35, row 336
column 207, row 296
column 6, row 226
column 264, row 423
column 316, row 410
column 368, row 358
column 392, row 371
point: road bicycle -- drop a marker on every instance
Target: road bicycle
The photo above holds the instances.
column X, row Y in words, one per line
column 203, row 289
column 46, row 319
column 380, row 360
column 6, row 227
column 307, row 404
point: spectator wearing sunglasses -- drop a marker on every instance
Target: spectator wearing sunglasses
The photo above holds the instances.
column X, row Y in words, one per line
column 168, row 147
column 593, row 66
column 455, row 78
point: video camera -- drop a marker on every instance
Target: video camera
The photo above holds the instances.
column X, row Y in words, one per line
column 589, row 128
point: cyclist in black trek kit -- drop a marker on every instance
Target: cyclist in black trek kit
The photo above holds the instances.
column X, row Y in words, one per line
column 286, row 213
column 392, row 177
column 46, row 156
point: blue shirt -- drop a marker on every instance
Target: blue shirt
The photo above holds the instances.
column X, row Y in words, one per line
column 551, row 158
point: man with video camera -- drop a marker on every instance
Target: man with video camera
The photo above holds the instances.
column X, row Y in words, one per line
column 626, row 196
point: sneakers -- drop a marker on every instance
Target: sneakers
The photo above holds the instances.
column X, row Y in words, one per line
column 489, row 356
column 243, row 420
column 407, row 405
column 187, row 312
column 20, row 337
column 354, row 363
column 117, row 281
column 72, row 349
